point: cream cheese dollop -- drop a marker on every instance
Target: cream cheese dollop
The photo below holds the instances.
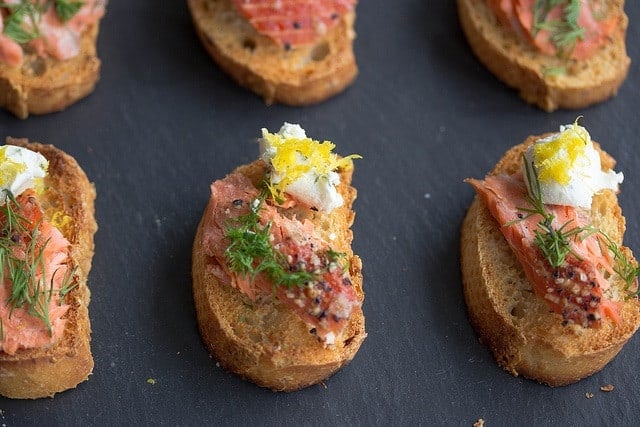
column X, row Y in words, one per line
column 20, row 169
column 301, row 167
column 568, row 168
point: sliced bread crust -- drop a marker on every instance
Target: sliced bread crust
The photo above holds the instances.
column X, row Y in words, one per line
column 519, row 65
column 299, row 76
column 262, row 340
column 525, row 337
column 35, row 373
column 46, row 85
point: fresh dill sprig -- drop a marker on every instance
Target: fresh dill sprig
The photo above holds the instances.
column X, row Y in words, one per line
column 554, row 243
column 250, row 251
column 553, row 71
column 336, row 257
column 14, row 23
column 566, row 31
column 29, row 289
column 67, row 9
column 66, row 286
column 624, row 267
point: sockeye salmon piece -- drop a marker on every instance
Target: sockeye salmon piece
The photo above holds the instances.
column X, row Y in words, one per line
column 573, row 290
column 519, row 16
column 292, row 23
column 10, row 51
column 57, row 39
column 62, row 40
column 325, row 303
column 20, row 328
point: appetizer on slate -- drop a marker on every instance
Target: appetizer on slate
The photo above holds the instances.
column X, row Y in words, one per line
column 293, row 52
column 277, row 288
column 46, row 246
column 549, row 286
column 48, row 55
column 556, row 53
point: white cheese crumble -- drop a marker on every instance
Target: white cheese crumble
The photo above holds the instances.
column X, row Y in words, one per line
column 310, row 188
column 569, row 169
column 20, row 169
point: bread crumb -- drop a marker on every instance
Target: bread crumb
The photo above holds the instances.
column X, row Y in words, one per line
column 323, row 385
column 607, row 388
column 151, row 381
column 479, row 423
column 588, row 395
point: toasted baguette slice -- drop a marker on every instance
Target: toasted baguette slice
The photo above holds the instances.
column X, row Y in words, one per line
column 525, row 337
column 46, row 85
column 35, row 373
column 262, row 340
column 519, row 65
column 300, row 76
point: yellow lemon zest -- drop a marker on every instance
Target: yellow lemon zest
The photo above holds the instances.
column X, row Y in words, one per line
column 38, row 186
column 61, row 221
column 9, row 169
column 295, row 157
column 554, row 159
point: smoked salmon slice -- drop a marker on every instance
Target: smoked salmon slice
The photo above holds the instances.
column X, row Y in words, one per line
column 554, row 35
column 53, row 36
column 324, row 302
column 573, row 289
column 292, row 23
column 20, row 327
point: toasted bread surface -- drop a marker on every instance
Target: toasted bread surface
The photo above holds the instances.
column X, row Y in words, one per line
column 525, row 337
column 42, row 372
column 46, row 85
column 518, row 64
column 299, row 76
column 262, row 340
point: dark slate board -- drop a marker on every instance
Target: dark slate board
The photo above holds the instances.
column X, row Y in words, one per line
column 164, row 122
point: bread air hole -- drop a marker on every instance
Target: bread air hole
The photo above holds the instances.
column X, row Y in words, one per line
column 320, row 52
column 37, row 66
column 518, row 311
column 249, row 44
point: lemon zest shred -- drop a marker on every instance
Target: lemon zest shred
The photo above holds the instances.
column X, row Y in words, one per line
column 295, row 157
column 61, row 221
column 554, row 159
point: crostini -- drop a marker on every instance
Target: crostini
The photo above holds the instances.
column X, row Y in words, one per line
column 557, row 54
column 48, row 56
column 549, row 287
column 277, row 288
column 294, row 52
column 46, row 248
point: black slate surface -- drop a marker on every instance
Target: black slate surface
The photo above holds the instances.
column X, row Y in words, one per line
column 164, row 122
